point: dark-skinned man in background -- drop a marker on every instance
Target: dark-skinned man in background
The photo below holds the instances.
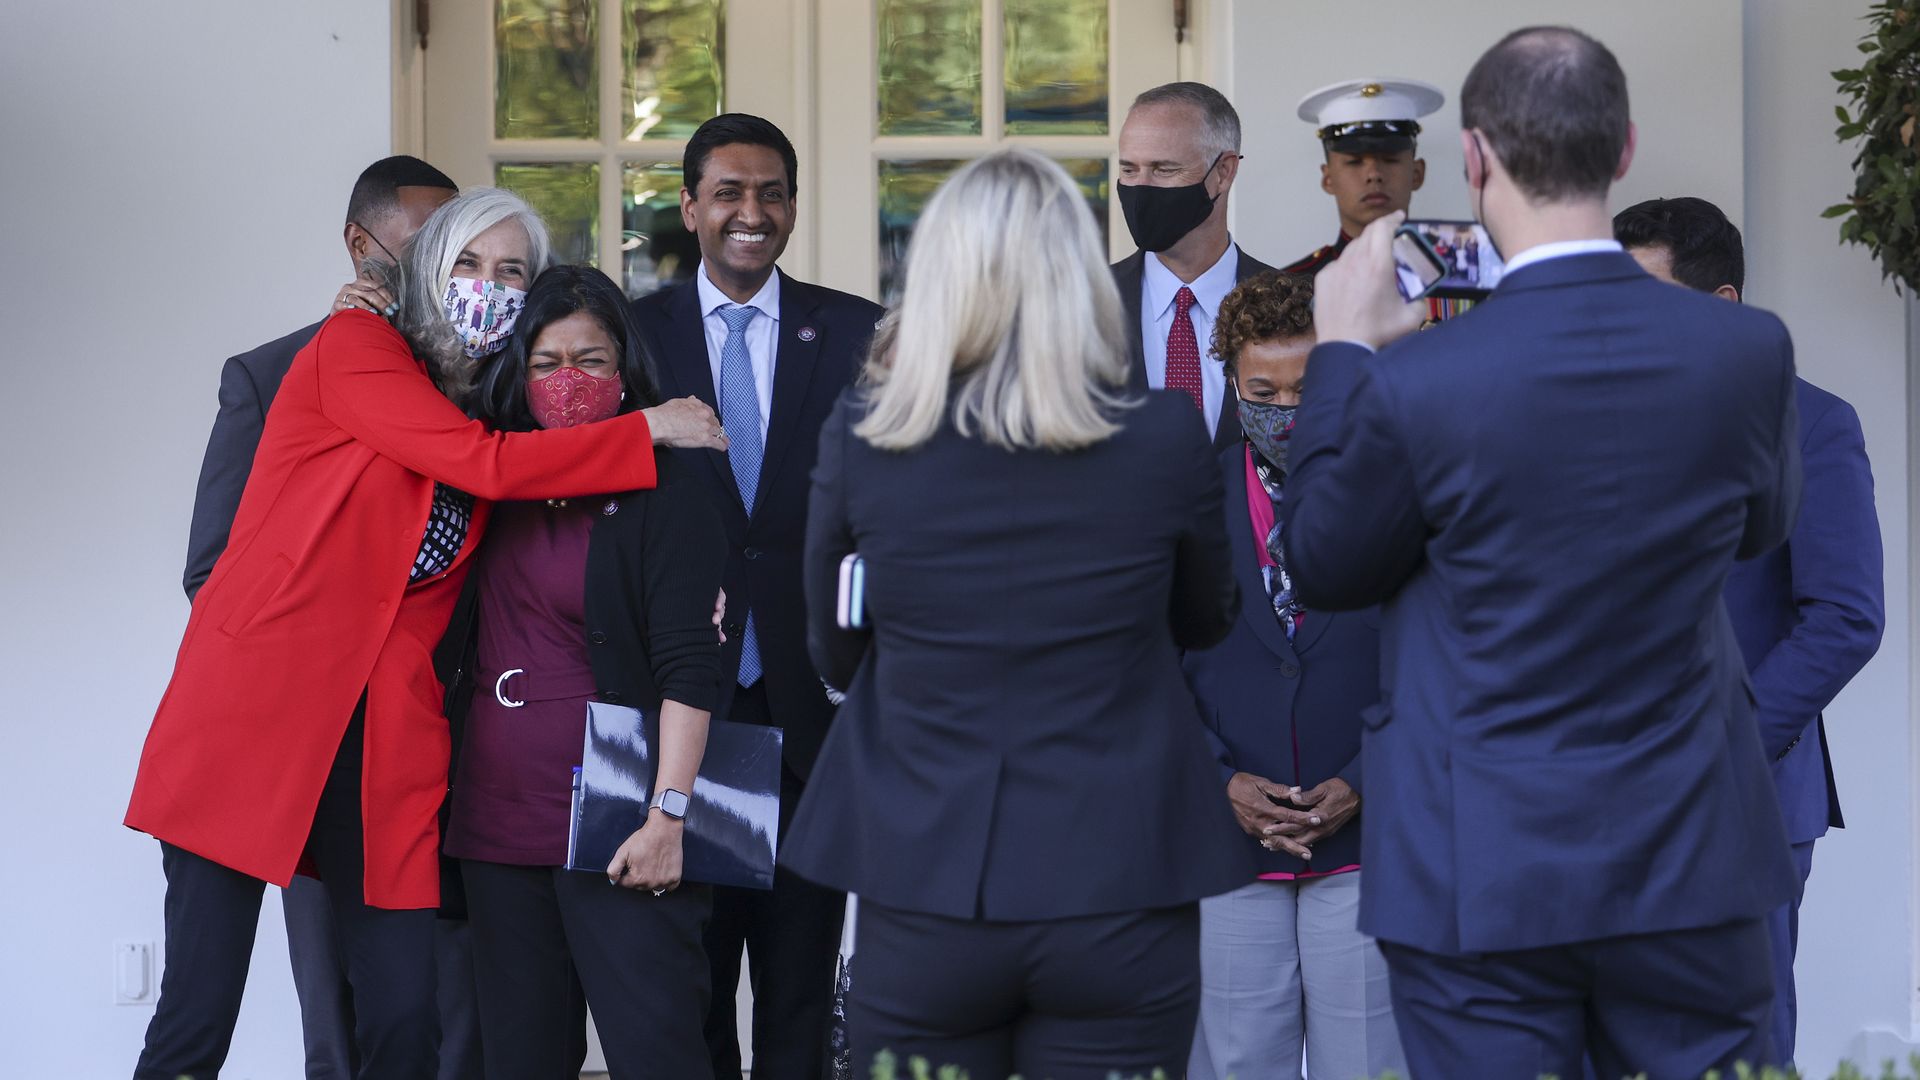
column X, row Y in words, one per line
column 391, row 199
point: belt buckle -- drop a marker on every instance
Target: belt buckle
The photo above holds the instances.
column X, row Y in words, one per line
column 500, row 688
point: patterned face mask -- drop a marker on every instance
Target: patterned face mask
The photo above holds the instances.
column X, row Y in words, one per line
column 570, row 396
column 482, row 313
column 1268, row 427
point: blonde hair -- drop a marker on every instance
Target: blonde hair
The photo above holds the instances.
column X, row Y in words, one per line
column 1010, row 310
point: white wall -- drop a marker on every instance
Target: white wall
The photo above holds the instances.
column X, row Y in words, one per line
column 1734, row 103
column 173, row 180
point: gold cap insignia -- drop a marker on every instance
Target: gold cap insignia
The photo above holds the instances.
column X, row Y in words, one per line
column 1372, row 89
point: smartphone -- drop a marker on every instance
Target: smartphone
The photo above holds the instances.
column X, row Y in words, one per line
column 1472, row 264
column 1417, row 267
column 851, row 612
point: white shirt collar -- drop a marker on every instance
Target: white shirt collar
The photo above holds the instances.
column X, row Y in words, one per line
column 1211, row 287
column 767, row 299
column 1558, row 250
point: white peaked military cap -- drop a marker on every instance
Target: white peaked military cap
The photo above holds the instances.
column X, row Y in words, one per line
column 1376, row 114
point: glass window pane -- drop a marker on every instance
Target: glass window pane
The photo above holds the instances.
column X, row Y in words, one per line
column 547, row 73
column 1091, row 175
column 567, row 195
column 929, row 67
column 906, row 186
column 1056, row 67
column 673, row 58
column 656, row 250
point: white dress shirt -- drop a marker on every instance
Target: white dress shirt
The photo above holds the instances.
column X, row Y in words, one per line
column 1158, row 286
column 763, row 336
column 1559, row 250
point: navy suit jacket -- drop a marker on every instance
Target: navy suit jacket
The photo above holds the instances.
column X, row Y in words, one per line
column 1547, row 494
column 1809, row 613
column 247, row 385
column 1017, row 742
column 1285, row 710
column 822, row 344
column 1129, row 274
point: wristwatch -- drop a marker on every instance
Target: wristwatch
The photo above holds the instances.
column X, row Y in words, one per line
column 671, row 803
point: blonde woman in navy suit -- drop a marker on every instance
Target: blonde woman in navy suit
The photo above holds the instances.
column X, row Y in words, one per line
column 1016, row 786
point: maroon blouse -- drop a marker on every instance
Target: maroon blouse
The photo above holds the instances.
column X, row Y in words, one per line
column 514, row 796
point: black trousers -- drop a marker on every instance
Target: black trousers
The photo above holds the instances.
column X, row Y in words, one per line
column 1671, row 1006
column 326, row 998
column 211, row 916
column 543, row 936
column 791, row 936
column 1066, row 999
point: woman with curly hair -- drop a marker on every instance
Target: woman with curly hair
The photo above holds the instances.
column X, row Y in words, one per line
column 1283, row 967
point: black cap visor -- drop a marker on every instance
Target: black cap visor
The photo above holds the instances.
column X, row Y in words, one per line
column 1370, row 137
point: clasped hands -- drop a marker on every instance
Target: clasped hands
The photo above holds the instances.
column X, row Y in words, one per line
column 1288, row 818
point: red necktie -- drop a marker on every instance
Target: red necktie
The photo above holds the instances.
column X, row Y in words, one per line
column 1183, row 351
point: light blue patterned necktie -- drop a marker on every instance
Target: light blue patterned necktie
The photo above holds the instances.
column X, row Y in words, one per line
column 740, row 414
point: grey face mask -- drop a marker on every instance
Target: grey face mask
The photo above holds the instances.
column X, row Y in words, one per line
column 1268, row 426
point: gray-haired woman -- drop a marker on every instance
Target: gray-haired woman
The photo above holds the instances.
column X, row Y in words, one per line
column 302, row 728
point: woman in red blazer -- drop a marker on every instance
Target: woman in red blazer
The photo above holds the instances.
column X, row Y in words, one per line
column 303, row 723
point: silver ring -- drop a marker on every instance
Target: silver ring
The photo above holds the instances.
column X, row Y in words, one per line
column 499, row 688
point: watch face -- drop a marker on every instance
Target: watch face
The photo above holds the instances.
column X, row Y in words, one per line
column 673, row 803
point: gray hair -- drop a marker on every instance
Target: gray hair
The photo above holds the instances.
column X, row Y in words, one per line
column 427, row 266
column 1220, row 124
column 1010, row 321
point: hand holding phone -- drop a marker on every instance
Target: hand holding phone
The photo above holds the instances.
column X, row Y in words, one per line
column 1470, row 265
column 1356, row 299
column 1417, row 267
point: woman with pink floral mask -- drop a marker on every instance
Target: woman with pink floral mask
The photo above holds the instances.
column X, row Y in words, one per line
column 608, row 598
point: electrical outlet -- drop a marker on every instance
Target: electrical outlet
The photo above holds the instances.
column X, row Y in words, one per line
column 133, row 982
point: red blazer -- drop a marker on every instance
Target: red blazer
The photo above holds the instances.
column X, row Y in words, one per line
column 310, row 606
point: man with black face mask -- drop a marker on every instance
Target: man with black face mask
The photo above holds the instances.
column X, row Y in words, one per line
column 1179, row 154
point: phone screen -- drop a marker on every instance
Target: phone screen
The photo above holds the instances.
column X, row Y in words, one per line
column 1471, row 263
column 1417, row 269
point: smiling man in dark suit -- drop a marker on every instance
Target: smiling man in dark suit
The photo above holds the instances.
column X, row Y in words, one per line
column 1179, row 155
column 771, row 354
column 1809, row 613
column 1572, row 843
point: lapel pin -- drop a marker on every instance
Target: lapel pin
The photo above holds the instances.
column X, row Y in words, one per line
column 612, row 507
column 807, row 333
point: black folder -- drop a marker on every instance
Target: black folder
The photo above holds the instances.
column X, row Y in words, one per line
column 734, row 815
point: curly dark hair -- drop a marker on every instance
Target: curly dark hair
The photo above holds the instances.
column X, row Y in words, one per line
column 1266, row 307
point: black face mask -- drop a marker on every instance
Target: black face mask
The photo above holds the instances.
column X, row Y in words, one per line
column 1160, row 217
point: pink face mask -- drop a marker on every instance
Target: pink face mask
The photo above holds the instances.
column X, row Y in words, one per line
column 570, row 396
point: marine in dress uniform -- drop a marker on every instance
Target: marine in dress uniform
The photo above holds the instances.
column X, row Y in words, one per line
column 1369, row 129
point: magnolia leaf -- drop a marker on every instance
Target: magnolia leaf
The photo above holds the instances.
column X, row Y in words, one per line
column 1837, row 210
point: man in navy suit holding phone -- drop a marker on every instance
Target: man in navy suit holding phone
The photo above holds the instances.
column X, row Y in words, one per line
column 1809, row 613
column 771, row 354
column 1572, row 842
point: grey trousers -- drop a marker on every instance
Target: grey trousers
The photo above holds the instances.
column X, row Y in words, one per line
column 1284, row 968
